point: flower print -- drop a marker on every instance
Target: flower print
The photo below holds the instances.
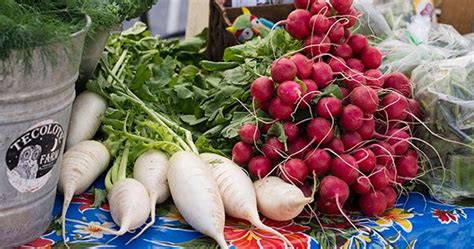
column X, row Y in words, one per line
column 448, row 216
column 92, row 229
column 86, row 200
column 398, row 216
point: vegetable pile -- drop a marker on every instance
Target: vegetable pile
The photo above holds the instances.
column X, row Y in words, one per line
column 329, row 112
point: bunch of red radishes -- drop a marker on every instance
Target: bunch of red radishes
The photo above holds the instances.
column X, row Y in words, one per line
column 357, row 142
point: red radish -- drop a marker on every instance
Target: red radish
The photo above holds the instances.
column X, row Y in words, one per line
column 342, row 50
column 295, row 171
column 266, row 127
column 337, row 65
column 316, row 45
column 322, row 74
column 351, row 118
column 309, row 94
column 318, row 161
column 384, row 153
column 352, row 15
column 358, row 43
column 380, row 178
column 337, row 145
column 395, row 106
column 334, row 189
column 259, row 166
column 374, row 78
column 320, row 7
column 345, row 167
column 327, row 206
column 328, row 107
column 373, row 203
column 262, row 105
column 249, row 133
column 347, row 33
column 291, row 131
column 307, row 189
column 280, row 110
column 345, row 93
column 289, row 92
column 414, row 108
column 390, row 195
column 283, row 69
column 262, row 89
column 350, row 140
column 299, row 146
column 365, row 160
column 371, row 57
column 297, row 23
column 336, row 33
column 399, row 140
column 304, row 66
column 398, row 82
column 273, row 149
column 303, row 4
column 320, row 130
column 362, row 185
column 353, row 79
column 365, row 98
column 412, row 153
column 356, row 64
column 241, row 152
column 407, row 167
column 367, row 130
column 319, row 24
column 341, row 6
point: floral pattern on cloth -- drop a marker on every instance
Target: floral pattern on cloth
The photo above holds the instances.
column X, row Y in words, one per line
column 416, row 221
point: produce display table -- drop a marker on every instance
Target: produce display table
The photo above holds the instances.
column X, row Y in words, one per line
column 417, row 220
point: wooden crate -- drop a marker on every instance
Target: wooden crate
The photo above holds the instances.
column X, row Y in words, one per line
column 222, row 16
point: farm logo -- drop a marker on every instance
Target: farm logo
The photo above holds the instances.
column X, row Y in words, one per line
column 31, row 157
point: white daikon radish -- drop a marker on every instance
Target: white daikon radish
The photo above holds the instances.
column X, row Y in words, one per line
column 80, row 167
column 196, row 195
column 279, row 200
column 85, row 117
column 150, row 169
column 237, row 192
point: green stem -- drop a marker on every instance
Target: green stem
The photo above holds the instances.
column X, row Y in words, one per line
column 122, row 173
column 108, row 181
column 113, row 171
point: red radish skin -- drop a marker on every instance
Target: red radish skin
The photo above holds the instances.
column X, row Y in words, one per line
column 345, row 93
column 371, row 57
column 279, row 110
column 304, row 66
column 358, row 43
column 390, row 195
column 337, row 65
column 407, row 167
column 380, row 178
column 412, row 153
column 322, row 74
column 320, row 7
column 303, row 4
column 328, row 107
column 353, row 79
column 345, row 167
column 373, row 204
column 298, row 147
column 273, row 149
column 342, row 50
column 316, row 45
column 384, row 153
column 365, row 160
column 307, row 189
column 334, row 189
column 320, row 131
column 297, row 23
column 337, row 146
column 319, row 24
column 398, row 82
column 318, row 161
column 399, row 140
column 291, row 131
column 415, row 109
column 310, row 93
column 249, row 133
column 356, row 64
column 289, row 92
column 351, row 140
column 295, row 171
column 341, row 6
column 259, row 166
column 265, row 128
column 327, row 206
column 352, row 118
column 241, row 152
column 283, row 69
column 395, row 106
column 352, row 15
column 392, row 174
column 336, row 33
column 374, row 78
column 262, row 105
column 365, row 98
column 362, row 185
column 262, row 89
column 367, row 130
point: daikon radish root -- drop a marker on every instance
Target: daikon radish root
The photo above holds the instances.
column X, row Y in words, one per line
column 237, row 192
column 80, row 167
column 196, row 195
column 85, row 117
column 150, row 169
column 279, row 200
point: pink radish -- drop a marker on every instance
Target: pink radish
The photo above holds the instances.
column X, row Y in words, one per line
column 390, row 195
column 365, row 98
column 319, row 24
column 371, row 57
column 262, row 89
column 407, row 167
column 352, row 14
column 297, row 23
column 362, row 185
column 320, row 7
column 345, row 95
column 356, row 64
column 374, row 78
column 398, row 82
column 294, row 171
column 283, row 69
column 366, row 160
column 328, row 107
column 336, row 33
column 342, row 50
column 263, row 105
column 273, row 148
column 384, row 153
column 249, row 133
column 304, row 66
column 345, row 168
column 373, row 204
column 337, row 146
column 367, row 130
column 351, row 118
column 350, row 140
column 318, row 161
column 337, row 65
column 414, row 108
column 242, row 152
column 280, row 110
column 334, row 189
column 380, row 178
column 395, row 106
column 289, row 92
column 259, row 166
column 297, row 147
column 316, row 44
column 322, row 74
column 303, row 4
column 353, row 79
column 306, row 188
column 291, row 131
column 320, row 130
column 309, row 94
column 327, row 206
column 399, row 140
column 358, row 43
column 341, row 6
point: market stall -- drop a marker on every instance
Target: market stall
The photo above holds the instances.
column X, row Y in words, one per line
column 305, row 124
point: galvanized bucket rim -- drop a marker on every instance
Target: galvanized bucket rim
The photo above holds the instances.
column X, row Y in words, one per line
column 84, row 29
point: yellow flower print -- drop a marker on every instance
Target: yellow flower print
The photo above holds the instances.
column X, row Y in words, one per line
column 398, row 216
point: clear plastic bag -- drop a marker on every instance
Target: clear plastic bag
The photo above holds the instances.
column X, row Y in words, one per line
column 445, row 90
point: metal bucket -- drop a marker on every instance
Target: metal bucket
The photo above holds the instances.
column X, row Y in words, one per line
column 35, row 105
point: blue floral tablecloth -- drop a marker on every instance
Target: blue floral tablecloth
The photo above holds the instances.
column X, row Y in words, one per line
column 417, row 221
